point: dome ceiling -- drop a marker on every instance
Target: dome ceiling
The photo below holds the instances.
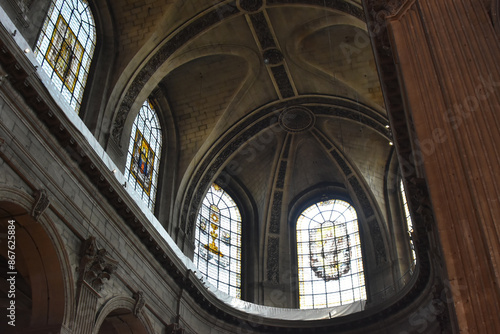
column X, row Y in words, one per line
column 273, row 98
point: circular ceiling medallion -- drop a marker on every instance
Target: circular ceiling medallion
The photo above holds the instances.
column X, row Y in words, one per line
column 251, row 5
column 296, row 119
column 272, row 57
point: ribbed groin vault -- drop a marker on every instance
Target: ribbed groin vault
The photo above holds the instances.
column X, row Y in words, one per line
column 264, row 166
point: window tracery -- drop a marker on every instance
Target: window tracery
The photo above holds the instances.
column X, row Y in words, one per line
column 65, row 47
column 217, row 253
column 330, row 264
column 144, row 151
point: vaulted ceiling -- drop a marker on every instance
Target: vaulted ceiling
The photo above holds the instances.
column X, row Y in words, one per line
column 223, row 67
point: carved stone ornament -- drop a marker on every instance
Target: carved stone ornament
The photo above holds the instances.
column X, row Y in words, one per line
column 273, row 260
column 420, row 201
column 42, row 202
column 139, row 303
column 276, row 212
column 272, row 57
column 393, row 6
column 296, row 119
column 441, row 306
column 3, row 78
column 380, row 9
column 174, row 329
column 95, row 264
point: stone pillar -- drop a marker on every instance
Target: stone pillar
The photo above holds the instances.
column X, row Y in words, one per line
column 86, row 309
column 95, row 267
column 448, row 57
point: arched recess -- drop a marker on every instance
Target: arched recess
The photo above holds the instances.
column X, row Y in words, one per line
column 44, row 281
column 120, row 316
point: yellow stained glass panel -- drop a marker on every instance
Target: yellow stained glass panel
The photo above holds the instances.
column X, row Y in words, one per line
column 65, row 54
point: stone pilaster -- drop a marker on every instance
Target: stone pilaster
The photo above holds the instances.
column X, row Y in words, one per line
column 95, row 267
column 449, row 63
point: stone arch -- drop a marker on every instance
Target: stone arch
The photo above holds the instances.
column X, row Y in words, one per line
column 42, row 264
column 119, row 315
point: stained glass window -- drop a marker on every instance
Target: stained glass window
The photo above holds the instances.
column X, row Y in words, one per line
column 409, row 223
column 143, row 157
column 330, row 263
column 217, row 251
column 65, row 47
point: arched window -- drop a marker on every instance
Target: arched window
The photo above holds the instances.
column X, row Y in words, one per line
column 217, row 251
column 409, row 223
column 143, row 159
column 330, row 263
column 65, row 47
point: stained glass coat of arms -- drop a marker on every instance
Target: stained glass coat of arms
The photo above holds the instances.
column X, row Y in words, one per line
column 330, row 250
column 330, row 264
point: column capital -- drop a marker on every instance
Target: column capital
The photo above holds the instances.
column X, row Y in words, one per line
column 95, row 264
